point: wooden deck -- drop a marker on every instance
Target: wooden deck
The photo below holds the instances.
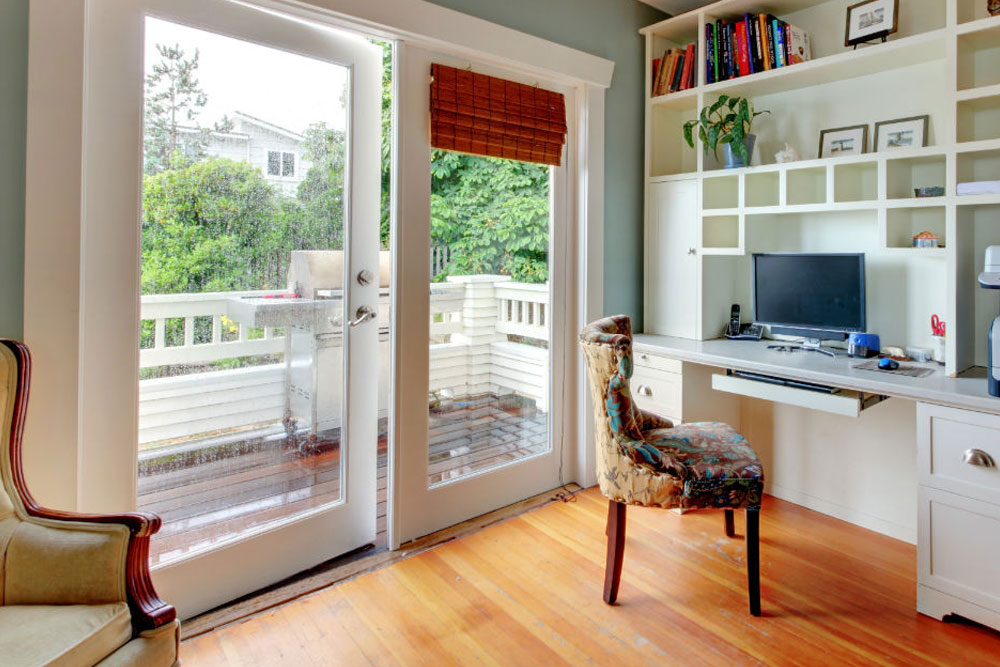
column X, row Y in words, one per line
column 207, row 496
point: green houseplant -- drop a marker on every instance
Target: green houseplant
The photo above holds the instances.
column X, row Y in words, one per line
column 727, row 121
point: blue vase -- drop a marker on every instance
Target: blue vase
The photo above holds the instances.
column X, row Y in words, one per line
column 735, row 160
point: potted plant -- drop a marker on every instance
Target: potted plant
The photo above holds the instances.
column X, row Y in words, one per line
column 727, row 122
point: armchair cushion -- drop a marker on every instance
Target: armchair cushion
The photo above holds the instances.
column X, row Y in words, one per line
column 62, row 635
column 722, row 469
column 75, row 563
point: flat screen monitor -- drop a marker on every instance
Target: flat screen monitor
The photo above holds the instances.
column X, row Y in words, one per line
column 819, row 296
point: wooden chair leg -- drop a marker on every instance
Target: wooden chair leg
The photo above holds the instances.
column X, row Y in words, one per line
column 753, row 560
column 730, row 524
column 616, row 550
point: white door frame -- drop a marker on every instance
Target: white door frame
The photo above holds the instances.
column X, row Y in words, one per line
column 55, row 255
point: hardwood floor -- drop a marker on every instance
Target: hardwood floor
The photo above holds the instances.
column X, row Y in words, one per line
column 528, row 591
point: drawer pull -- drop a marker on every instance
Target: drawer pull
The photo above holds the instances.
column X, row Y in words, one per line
column 644, row 356
column 977, row 457
column 644, row 390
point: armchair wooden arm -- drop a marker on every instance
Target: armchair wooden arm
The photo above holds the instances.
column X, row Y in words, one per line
column 148, row 610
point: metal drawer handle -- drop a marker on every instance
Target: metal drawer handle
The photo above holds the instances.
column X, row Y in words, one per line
column 643, row 390
column 977, row 457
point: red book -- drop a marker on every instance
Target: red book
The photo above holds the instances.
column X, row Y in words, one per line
column 653, row 75
column 742, row 49
column 688, row 64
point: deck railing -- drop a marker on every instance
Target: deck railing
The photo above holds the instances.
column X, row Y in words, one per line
column 471, row 353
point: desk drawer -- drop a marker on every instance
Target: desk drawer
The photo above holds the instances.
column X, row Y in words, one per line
column 946, row 438
column 649, row 360
column 959, row 539
column 657, row 391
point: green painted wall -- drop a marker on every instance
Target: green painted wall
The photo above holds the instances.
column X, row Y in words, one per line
column 13, row 104
column 606, row 28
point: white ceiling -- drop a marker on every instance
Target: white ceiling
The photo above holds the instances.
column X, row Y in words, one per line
column 676, row 7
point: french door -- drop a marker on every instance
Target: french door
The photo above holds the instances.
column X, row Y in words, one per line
column 481, row 294
column 241, row 211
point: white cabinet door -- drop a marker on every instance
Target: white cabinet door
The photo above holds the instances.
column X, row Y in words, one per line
column 672, row 277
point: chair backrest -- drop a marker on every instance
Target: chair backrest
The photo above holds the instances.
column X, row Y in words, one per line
column 15, row 370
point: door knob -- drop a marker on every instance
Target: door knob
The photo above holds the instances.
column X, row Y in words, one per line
column 692, row 251
column 362, row 315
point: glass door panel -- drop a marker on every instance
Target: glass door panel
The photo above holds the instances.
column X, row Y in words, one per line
column 242, row 270
column 489, row 304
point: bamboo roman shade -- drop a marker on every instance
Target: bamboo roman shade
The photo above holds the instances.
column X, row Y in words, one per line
column 483, row 115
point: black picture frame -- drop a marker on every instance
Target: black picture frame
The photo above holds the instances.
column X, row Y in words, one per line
column 859, row 9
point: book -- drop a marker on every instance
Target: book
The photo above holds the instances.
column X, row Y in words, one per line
column 688, row 67
column 798, row 45
column 665, row 65
column 779, row 43
column 654, row 73
column 734, row 53
column 769, row 28
column 764, row 45
column 709, row 53
column 678, row 70
column 742, row 52
column 718, row 49
column 753, row 43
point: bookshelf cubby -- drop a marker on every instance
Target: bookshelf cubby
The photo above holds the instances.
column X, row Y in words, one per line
column 979, row 117
column 944, row 61
column 806, row 186
column 856, row 181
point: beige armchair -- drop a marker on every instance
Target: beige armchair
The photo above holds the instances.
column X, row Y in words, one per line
column 74, row 588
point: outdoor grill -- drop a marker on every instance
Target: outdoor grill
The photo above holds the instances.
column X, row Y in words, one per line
column 311, row 313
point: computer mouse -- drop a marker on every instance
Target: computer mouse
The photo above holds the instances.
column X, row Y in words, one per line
column 887, row 364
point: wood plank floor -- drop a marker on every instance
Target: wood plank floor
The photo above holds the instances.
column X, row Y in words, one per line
column 528, row 591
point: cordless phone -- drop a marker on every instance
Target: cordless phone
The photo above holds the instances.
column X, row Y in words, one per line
column 734, row 321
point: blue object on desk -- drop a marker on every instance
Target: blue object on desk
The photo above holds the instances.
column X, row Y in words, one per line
column 888, row 364
column 863, row 345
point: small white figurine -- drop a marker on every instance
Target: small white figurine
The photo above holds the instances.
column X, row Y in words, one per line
column 786, row 155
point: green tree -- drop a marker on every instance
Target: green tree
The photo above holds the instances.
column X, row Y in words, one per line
column 321, row 192
column 215, row 225
column 173, row 101
column 493, row 214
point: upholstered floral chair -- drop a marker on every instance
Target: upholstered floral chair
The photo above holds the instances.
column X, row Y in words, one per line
column 74, row 588
column 643, row 459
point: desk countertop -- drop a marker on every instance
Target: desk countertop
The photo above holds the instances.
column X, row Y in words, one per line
column 968, row 391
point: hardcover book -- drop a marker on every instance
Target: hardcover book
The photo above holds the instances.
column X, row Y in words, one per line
column 798, row 45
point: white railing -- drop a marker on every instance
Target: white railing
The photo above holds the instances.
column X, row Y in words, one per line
column 523, row 310
column 162, row 307
column 470, row 354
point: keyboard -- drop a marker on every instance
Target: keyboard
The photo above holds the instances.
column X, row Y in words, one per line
column 798, row 384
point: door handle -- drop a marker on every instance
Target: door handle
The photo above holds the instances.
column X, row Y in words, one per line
column 362, row 315
column 977, row 457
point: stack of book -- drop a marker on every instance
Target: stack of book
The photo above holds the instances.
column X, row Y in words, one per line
column 755, row 43
column 676, row 70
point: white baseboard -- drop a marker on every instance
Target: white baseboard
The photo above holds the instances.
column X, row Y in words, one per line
column 844, row 513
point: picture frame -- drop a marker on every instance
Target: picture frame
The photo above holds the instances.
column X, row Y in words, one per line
column 871, row 19
column 901, row 133
column 850, row 140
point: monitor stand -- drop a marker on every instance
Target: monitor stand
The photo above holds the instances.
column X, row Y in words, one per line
column 808, row 345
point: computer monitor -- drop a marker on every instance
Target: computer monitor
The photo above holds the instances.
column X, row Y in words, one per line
column 819, row 296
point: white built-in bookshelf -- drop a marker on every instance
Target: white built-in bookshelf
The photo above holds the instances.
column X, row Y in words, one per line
column 943, row 61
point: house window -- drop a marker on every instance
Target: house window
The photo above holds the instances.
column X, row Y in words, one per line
column 280, row 163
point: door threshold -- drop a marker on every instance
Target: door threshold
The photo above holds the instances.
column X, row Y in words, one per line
column 354, row 563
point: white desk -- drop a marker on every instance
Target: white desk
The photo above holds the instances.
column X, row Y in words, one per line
column 968, row 393
column 958, row 504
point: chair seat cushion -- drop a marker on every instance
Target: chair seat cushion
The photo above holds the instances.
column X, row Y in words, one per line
column 58, row 635
column 722, row 469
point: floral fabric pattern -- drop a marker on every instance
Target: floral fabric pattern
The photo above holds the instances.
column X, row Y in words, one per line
column 643, row 459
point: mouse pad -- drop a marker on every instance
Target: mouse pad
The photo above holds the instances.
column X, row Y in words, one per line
column 911, row 371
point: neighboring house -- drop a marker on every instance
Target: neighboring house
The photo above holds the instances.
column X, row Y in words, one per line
column 277, row 152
